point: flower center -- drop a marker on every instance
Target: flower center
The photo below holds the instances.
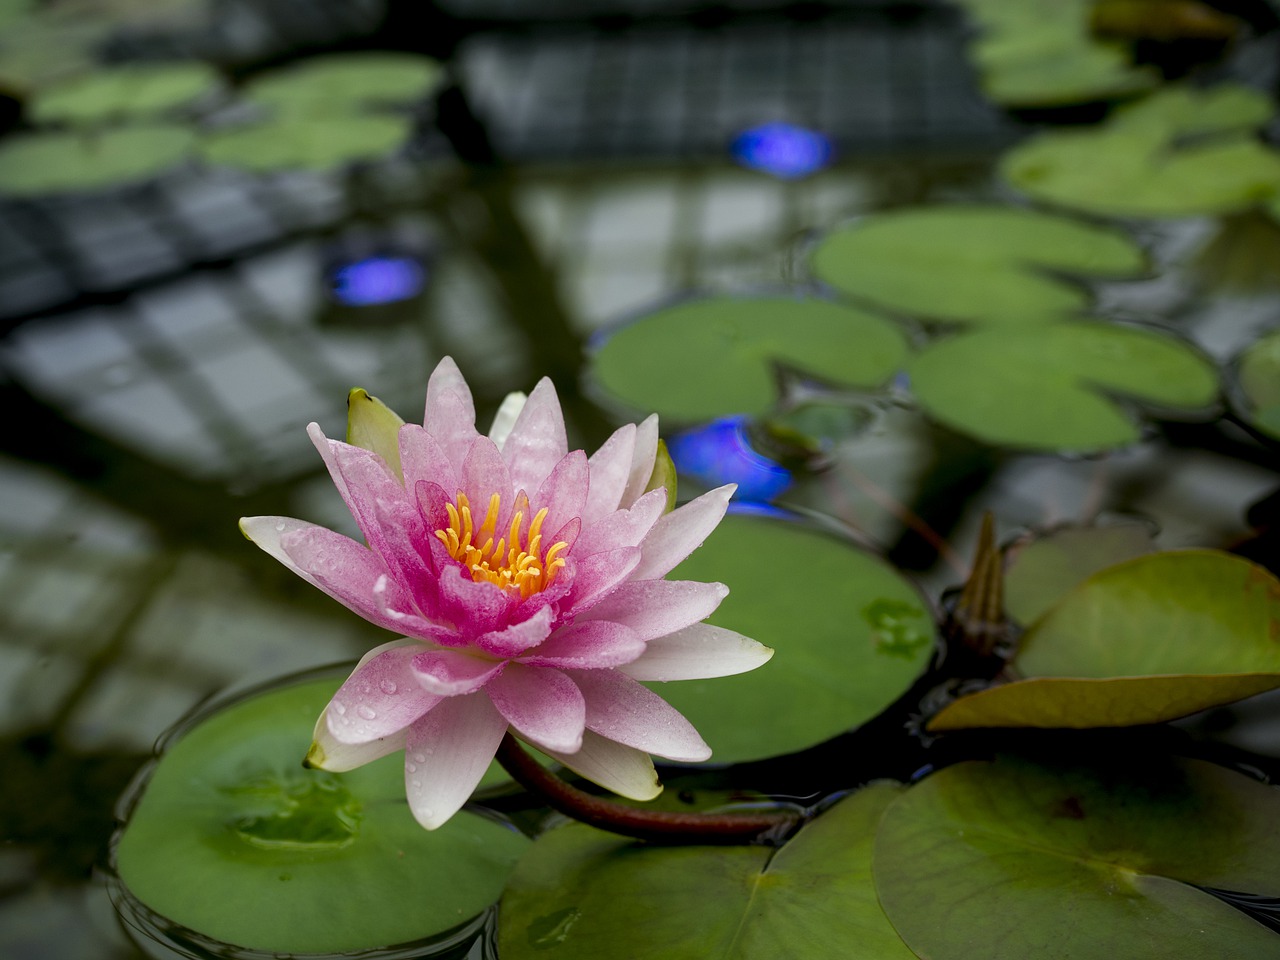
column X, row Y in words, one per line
column 521, row 566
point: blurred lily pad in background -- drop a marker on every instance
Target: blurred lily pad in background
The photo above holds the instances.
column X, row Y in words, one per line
column 720, row 356
column 125, row 92
column 981, row 265
column 1055, row 386
column 41, row 163
column 1259, row 382
column 345, row 83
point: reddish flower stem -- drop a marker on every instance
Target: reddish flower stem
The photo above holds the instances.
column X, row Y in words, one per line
column 662, row 826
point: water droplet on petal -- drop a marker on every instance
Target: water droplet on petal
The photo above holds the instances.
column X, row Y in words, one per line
column 388, row 687
column 420, row 757
column 280, row 526
column 367, row 712
column 427, row 812
column 416, row 784
column 411, row 768
column 339, row 708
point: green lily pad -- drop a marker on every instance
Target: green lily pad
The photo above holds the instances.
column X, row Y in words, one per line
column 306, row 142
column 125, row 92
column 583, row 893
column 1259, row 380
column 851, row 636
column 233, row 839
column 1179, row 153
column 714, row 357
column 346, row 82
column 1009, row 860
column 1047, row 569
column 973, row 264
column 44, row 163
column 1147, row 640
column 1050, row 386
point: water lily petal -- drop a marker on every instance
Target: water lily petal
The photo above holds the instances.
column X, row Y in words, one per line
column 655, row 608
column 345, row 570
column 642, row 460
column 623, row 528
column 328, row 753
column 610, row 469
column 451, row 413
column 544, row 705
column 587, row 644
column 518, row 637
column 697, row 653
column 380, row 698
column 680, row 532
column 446, row 753
column 505, row 418
column 423, row 460
column 620, row 709
column 624, row 770
column 473, row 607
column 594, row 577
column 564, row 493
column 483, row 474
column 537, row 441
column 451, row 673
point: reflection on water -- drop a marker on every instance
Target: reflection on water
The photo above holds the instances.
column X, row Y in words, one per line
column 165, row 345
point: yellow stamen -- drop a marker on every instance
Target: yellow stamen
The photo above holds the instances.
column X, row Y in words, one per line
column 517, row 567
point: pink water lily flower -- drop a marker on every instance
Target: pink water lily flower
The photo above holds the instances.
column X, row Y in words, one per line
column 527, row 584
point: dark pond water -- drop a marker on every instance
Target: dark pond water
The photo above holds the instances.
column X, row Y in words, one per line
column 164, row 346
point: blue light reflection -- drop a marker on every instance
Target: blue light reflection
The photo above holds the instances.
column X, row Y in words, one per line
column 782, row 149
column 720, row 453
column 370, row 281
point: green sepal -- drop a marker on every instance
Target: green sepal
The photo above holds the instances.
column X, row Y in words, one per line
column 373, row 426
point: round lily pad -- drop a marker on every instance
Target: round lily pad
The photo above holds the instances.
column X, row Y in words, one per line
column 1259, row 381
column 234, row 840
column 973, row 264
column 719, row 356
column 1050, row 386
column 306, row 142
column 1009, row 860
column 851, row 636
column 43, row 163
column 583, row 894
column 1178, row 153
column 1045, row 570
column 346, row 82
column 128, row 91
column 1143, row 641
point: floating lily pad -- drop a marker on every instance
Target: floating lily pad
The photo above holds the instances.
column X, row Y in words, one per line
column 1147, row 640
column 233, row 839
column 1179, row 153
column 345, row 82
column 1047, row 569
column 1042, row 54
column 714, row 357
column 1050, row 386
column 973, row 264
column 128, row 91
column 42, row 163
column 583, row 894
column 851, row 636
column 313, row 143
column 1012, row 860
column 1260, row 383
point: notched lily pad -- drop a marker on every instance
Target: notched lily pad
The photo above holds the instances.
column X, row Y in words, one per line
column 1259, row 382
column 234, row 840
column 1180, row 152
column 715, row 357
column 1012, row 859
column 343, row 83
column 306, row 142
column 1144, row 641
column 1049, row 386
column 47, row 163
column 974, row 264
column 850, row 634
column 124, row 92
column 583, row 894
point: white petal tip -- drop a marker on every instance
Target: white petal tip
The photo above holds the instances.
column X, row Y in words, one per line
column 315, row 758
